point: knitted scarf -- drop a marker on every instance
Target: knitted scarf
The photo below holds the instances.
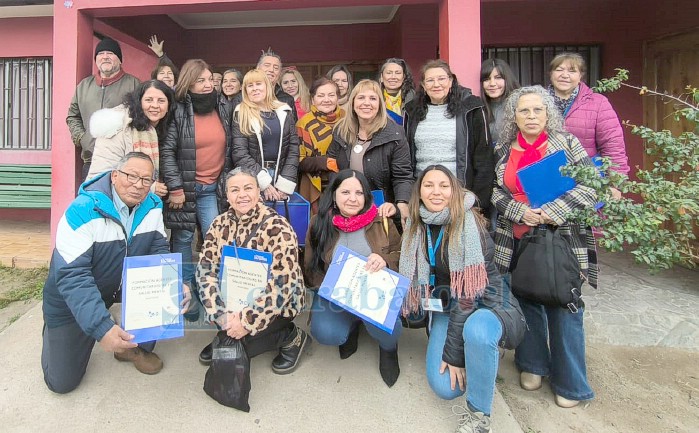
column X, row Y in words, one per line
column 468, row 276
column 563, row 105
column 354, row 223
column 316, row 134
column 147, row 142
column 393, row 103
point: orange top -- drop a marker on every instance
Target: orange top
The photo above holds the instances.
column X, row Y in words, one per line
column 210, row 141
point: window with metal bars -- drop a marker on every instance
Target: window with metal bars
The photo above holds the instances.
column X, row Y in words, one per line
column 531, row 64
column 25, row 103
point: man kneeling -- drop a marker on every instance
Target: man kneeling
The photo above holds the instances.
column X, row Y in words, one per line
column 112, row 210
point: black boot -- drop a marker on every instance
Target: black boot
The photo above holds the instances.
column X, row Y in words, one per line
column 290, row 351
column 388, row 366
column 350, row 346
column 206, row 354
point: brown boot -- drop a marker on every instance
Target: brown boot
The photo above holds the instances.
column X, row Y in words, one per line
column 145, row 362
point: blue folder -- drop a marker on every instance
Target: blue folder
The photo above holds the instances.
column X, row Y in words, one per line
column 378, row 197
column 171, row 265
column 329, row 285
column 543, row 182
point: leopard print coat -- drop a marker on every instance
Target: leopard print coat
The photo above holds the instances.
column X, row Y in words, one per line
column 285, row 292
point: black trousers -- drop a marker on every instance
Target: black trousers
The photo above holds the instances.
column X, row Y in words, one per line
column 271, row 339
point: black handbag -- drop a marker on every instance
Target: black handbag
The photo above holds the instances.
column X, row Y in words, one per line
column 228, row 378
column 546, row 270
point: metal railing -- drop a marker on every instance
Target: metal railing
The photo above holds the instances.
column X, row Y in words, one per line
column 530, row 64
column 25, row 103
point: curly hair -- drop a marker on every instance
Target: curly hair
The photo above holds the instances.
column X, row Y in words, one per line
column 554, row 119
column 408, row 84
column 139, row 121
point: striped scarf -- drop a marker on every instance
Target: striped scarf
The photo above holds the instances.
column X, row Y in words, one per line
column 316, row 134
column 147, row 142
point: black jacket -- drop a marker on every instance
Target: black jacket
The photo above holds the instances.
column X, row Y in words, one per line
column 284, row 97
column 475, row 161
column 497, row 298
column 178, row 162
column 386, row 162
column 247, row 152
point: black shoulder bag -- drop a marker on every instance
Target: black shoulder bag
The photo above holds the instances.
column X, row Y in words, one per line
column 547, row 271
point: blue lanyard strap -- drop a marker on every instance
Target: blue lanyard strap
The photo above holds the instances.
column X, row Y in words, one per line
column 431, row 251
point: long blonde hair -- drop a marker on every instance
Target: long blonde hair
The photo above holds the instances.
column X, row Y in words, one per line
column 303, row 93
column 248, row 111
column 348, row 127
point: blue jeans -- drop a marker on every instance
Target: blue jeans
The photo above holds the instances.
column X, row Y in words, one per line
column 331, row 325
column 554, row 346
column 207, row 211
column 482, row 333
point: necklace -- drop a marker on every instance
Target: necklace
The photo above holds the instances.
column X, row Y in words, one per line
column 359, row 147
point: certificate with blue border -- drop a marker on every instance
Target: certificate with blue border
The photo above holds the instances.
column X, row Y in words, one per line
column 243, row 276
column 376, row 297
column 151, row 295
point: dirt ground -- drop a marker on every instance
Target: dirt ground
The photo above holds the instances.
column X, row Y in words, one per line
column 13, row 281
column 638, row 389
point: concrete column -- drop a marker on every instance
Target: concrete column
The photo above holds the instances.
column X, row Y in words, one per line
column 72, row 61
column 460, row 39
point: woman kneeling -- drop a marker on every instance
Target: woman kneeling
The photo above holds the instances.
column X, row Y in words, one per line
column 267, row 323
column 448, row 256
column 347, row 216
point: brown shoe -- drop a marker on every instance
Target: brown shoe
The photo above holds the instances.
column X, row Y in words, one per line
column 145, row 362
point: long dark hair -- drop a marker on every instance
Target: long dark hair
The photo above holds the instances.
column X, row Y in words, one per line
column 323, row 233
column 511, row 82
column 139, row 121
column 454, row 99
column 407, row 85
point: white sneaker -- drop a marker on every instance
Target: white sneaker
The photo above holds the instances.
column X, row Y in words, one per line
column 565, row 403
column 529, row 381
column 471, row 422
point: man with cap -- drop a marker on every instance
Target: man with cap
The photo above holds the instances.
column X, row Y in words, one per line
column 106, row 89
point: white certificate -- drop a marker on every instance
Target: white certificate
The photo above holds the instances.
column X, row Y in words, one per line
column 244, row 276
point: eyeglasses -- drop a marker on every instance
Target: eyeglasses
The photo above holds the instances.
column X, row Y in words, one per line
column 441, row 80
column 132, row 178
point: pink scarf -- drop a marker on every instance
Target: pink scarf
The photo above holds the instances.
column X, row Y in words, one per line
column 354, row 223
column 531, row 154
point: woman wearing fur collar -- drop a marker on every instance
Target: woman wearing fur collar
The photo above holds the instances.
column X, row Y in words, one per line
column 264, row 138
column 135, row 126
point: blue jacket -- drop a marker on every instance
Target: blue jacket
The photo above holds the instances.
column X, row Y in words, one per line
column 91, row 243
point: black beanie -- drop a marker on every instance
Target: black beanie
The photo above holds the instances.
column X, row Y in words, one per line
column 109, row 44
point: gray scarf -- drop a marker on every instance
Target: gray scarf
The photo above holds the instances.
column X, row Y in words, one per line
column 468, row 276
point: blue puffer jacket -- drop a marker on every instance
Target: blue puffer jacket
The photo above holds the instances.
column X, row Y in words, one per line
column 91, row 243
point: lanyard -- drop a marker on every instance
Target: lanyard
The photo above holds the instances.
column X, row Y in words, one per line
column 431, row 251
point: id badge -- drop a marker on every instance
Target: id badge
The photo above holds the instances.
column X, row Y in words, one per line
column 432, row 304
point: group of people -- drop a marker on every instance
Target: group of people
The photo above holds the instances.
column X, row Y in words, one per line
column 182, row 154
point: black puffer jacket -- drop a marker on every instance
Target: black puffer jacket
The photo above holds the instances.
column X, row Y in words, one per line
column 247, row 152
column 386, row 162
column 475, row 161
column 498, row 299
column 178, row 162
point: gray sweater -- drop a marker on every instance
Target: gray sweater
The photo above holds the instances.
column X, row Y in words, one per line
column 435, row 140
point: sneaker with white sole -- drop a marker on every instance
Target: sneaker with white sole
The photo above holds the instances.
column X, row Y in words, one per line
column 471, row 421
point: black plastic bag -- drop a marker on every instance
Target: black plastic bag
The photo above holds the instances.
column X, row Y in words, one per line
column 228, row 378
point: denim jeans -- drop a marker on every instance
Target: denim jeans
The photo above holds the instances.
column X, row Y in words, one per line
column 207, row 211
column 482, row 332
column 554, row 346
column 331, row 325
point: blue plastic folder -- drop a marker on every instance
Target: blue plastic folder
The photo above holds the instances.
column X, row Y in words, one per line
column 247, row 270
column 152, row 292
column 378, row 304
column 378, row 196
column 543, row 182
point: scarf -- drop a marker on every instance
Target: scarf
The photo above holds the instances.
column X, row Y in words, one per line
column 468, row 276
column 203, row 103
column 531, row 154
column 104, row 82
column 316, row 134
column 563, row 105
column 354, row 223
column 393, row 103
column 147, row 142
